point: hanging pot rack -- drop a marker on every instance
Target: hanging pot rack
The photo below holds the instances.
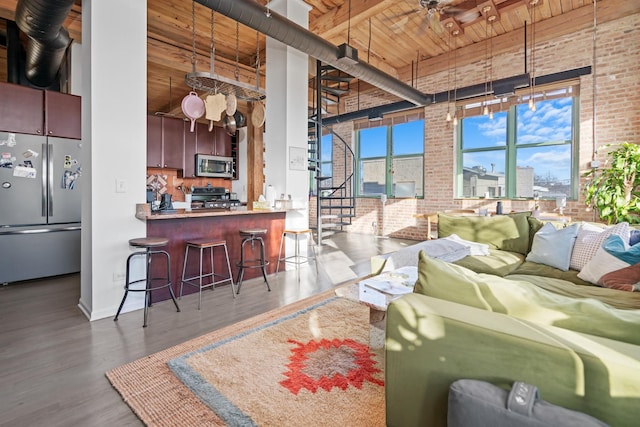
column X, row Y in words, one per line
column 214, row 83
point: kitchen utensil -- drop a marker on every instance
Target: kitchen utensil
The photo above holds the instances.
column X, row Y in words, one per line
column 241, row 120
column 215, row 105
column 257, row 115
column 193, row 107
column 232, row 104
column 230, row 125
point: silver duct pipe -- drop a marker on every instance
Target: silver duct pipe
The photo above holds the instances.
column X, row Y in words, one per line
column 252, row 14
column 42, row 20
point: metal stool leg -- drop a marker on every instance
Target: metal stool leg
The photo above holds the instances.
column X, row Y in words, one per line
column 262, row 260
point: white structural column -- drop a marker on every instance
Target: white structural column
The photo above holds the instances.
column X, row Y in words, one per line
column 114, row 64
column 286, row 117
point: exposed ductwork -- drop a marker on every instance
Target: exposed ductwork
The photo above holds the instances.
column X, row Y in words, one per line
column 42, row 20
column 252, row 14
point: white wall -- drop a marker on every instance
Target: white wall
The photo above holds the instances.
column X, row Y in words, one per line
column 286, row 115
column 114, row 58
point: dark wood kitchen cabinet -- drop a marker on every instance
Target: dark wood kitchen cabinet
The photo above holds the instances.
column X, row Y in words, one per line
column 217, row 142
column 190, row 150
column 154, row 141
column 62, row 115
column 173, row 143
column 165, row 142
column 21, row 109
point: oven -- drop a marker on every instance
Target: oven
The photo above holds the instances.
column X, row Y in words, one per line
column 212, row 198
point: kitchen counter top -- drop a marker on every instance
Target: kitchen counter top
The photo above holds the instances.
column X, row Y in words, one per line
column 143, row 213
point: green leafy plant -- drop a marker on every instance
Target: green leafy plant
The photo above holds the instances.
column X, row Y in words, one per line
column 614, row 189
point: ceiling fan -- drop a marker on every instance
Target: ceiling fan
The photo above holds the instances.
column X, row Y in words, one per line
column 435, row 11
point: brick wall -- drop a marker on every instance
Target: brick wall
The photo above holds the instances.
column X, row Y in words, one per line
column 617, row 120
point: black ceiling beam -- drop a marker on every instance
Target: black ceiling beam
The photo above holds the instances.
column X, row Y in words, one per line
column 501, row 87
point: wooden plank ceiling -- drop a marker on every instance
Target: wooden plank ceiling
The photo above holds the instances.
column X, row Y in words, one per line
column 392, row 35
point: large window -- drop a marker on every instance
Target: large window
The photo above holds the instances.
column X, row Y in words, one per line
column 520, row 153
column 391, row 160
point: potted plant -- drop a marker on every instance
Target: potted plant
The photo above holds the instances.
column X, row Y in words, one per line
column 614, row 189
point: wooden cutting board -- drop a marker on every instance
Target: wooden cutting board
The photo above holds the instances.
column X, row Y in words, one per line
column 215, row 105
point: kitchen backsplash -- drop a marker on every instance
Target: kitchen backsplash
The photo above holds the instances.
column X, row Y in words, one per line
column 167, row 181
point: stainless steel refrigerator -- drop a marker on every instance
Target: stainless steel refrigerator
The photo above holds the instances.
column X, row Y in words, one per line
column 40, row 206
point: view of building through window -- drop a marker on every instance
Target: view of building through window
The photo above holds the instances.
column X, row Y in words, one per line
column 391, row 160
column 518, row 153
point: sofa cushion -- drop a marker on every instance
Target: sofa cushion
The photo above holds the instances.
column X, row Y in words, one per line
column 535, row 269
column 553, row 247
column 497, row 262
column 524, row 300
column 625, row 279
column 613, row 255
column 506, row 232
column 590, row 238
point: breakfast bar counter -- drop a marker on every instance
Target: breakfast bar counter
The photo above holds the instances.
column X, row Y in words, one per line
column 182, row 225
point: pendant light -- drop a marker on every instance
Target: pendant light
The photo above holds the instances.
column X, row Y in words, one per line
column 455, row 78
column 532, row 84
column 448, row 26
column 485, row 12
column 491, row 20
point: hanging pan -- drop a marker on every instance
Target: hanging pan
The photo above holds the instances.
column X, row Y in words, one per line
column 193, row 108
column 230, row 125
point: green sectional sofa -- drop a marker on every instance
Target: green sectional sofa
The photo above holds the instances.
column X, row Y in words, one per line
column 503, row 318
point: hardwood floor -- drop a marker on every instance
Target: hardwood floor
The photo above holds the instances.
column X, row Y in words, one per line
column 53, row 360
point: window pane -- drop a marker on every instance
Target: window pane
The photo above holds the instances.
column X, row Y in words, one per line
column 326, row 170
column 408, row 138
column 326, row 148
column 481, row 131
column 407, row 177
column 372, row 177
column 551, row 122
column 373, row 142
column 483, row 172
column 543, row 170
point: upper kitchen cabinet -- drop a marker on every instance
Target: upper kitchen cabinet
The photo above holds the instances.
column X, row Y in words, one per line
column 190, row 150
column 173, row 143
column 216, row 141
column 154, row 141
column 165, row 142
column 21, row 109
column 62, row 115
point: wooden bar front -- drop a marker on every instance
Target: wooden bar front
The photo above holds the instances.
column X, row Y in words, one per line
column 179, row 228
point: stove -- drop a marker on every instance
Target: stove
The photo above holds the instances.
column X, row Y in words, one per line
column 212, row 198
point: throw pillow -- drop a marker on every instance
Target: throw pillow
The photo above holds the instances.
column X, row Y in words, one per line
column 524, row 300
column 634, row 237
column 590, row 238
column 613, row 255
column 505, row 232
column 625, row 279
column 553, row 247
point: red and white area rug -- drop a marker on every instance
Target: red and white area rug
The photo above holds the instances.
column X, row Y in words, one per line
column 305, row 364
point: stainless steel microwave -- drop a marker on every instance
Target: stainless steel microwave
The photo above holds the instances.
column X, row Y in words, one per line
column 214, row 166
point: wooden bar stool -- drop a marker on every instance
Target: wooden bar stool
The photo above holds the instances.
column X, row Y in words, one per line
column 296, row 258
column 201, row 245
column 148, row 244
column 252, row 235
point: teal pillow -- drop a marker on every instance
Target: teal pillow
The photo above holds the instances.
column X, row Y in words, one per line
column 553, row 247
column 524, row 300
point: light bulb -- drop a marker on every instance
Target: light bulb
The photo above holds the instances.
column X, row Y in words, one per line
column 532, row 105
column 485, row 111
column 455, row 120
column 448, row 116
column 491, row 114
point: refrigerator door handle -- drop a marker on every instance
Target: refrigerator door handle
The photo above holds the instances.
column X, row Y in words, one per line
column 44, row 180
column 40, row 230
column 50, row 173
